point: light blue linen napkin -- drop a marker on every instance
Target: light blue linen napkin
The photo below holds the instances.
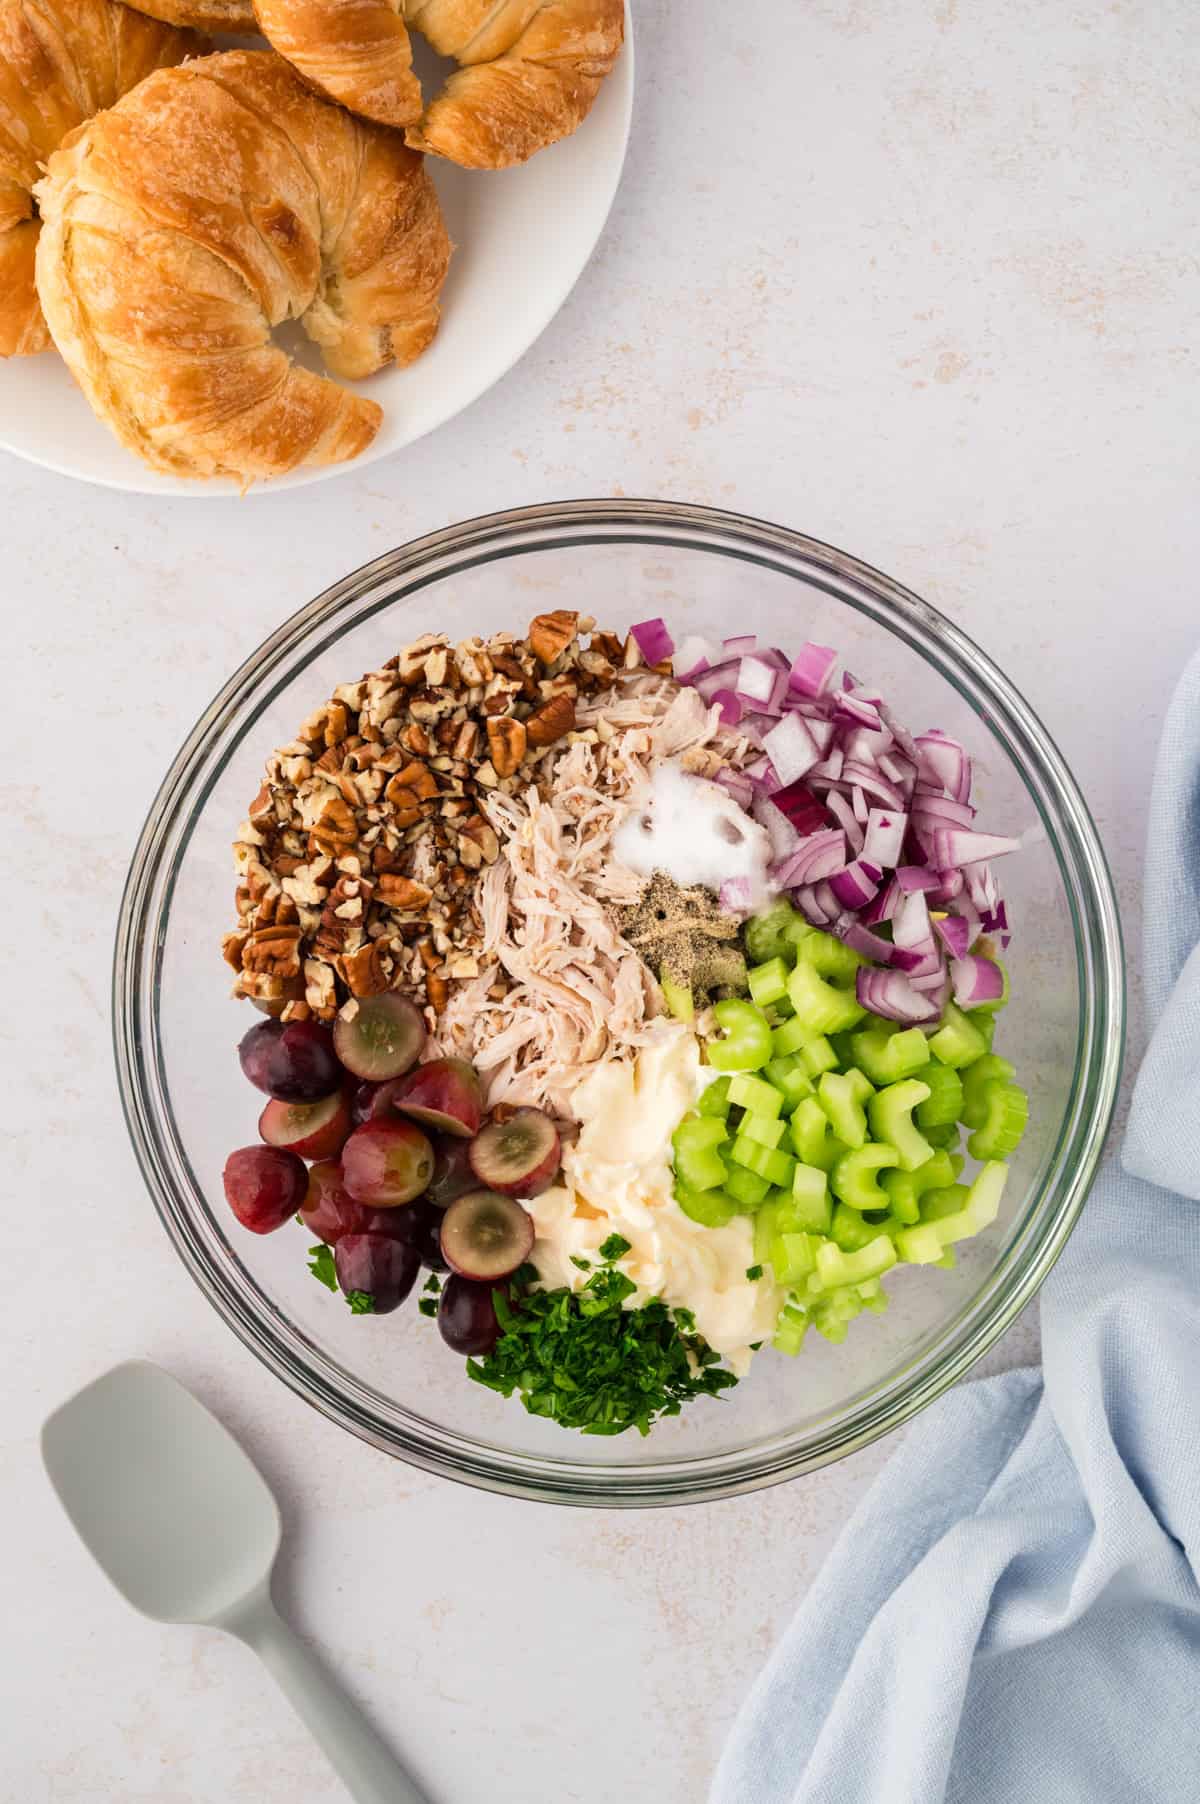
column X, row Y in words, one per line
column 1013, row 1613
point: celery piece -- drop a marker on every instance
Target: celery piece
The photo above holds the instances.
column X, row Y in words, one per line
column 822, row 1006
column 946, row 1136
column 890, row 1113
column 789, row 1038
column 835, row 1268
column 766, row 935
column 790, row 1079
column 919, row 1245
column 861, row 1087
column 1007, row 1107
column 746, row 1188
column 948, row 1260
column 941, row 1107
column 776, row 1167
column 747, row 1045
column 768, row 982
column 698, row 1164
column 793, row 1256
column 841, row 1099
column 874, row 1296
column 829, row 956
column 711, row 1208
column 980, row 1209
column 848, row 1230
column 818, row 1056
column 957, row 1041
column 678, row 998
column 812, row 1139
column 985, row 1026
column 763, row 1132
column 755, row 1096
column 946, row 1200
column 904, row 1189
column 976, row 1079
column 790, row 1330
column 888, row 1057
column 714, row 1099
column 810, row 1198
column 854, row 1177
column 843, row 1050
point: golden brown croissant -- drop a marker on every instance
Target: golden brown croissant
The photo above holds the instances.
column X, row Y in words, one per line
column 212, row 203
column 60, row 62
column 233, row 16
column 529, row 69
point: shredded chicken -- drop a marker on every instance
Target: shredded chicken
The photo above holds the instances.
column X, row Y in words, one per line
column 560, row 988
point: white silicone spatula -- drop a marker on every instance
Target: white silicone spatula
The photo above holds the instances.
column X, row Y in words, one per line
column 187, row 1530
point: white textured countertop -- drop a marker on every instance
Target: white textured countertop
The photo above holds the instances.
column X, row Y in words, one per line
column 920, row 279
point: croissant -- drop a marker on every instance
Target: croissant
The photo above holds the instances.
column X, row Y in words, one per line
column 212, row 203
column 529, row 69
column 60, row 62
column 233, row 16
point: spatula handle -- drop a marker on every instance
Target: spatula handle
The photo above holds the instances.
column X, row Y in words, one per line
column 369, row 1770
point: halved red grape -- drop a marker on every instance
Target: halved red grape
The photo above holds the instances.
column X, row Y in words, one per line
column 467, row 1317
column 444, row 1094
column 314, row 1130
column 379, row 1037
column 328, row 1209
column 385, row 1268
column 486, row 1235
column 424, row 1222
column 452, row 1174
column 386, row 1163
column 293, row 1061
column 263, row 1186
column 518, row 1156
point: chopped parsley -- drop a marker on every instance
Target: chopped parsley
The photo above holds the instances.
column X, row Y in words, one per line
column 585, row 1361
column 320, row 1264
column 433, row 1283
column 583, row 1265
column 427, row 1305
column 361, row 1302
column 754, row 1271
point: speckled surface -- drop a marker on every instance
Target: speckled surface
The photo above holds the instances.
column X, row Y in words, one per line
column 918, row 279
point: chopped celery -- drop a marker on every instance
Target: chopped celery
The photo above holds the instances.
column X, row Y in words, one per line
column 746, row 1188
column 1007, row 1107
column 776, row 1167
column 789, row 1038
column 841, row 1099
column 697, row 1162
column 790, row 1079
column 888, row 1057
column 976, row 1080
column 828, row 955
column 711, row 1208
column 822, row 1006
column 904, row 1189
column 747, row 1045
column 810, row 1198
column 763, row 1132
column 714, row 1099
column 812, row 1138
column 818, row 1056
column 985, row 1026
column 835, row 1268
column 854, row 1177
column 755, row 1096
column 941, row 1107
column 678, row 997
column 919, row 1245
column 843, row 1050
column 793, row 1256
column 849, row 1231
column 790, row 1330
column 942, row 1136
column 946, row 1200
column 861, row 1087
column 957, row 1041
column 768, row 982
column 891, row 1119
column 766, row 934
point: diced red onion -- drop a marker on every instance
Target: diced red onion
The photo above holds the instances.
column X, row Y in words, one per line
column 783, row 836
column 730, row 704
column 844, row 814
column 812, row 671
column 791, row 749
column 950, row 886
column 740, row 647
column 944, row 763
column 858, row 802
column 735, row 895
column 900, row 771
column 859, row 713
column 693, row 656
column 862, row 746
column 871, row 945
column 718, row 676
column 981, row 887
column 936, row 987
column 954, row 846
column 890, row 994
column 976, row 981
column 830, row 767
column 737, row 784
column 755, row 681
column 653, row 640
column 955, row 934
column 996, row 919
column 910, row 926
column 813, row 908
column 801, row 807
column 872, row 784
column 820, row 855
column 884, row 837
column 884, row 906
column 912, row 877
column 939, row 811
column 857, row 885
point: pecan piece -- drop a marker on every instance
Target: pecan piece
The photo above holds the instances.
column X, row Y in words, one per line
column 484, row 836
column 415, row 782
column 506, row 742
column 438, row 991
column 274, row 951
column 335, row 831
column 394, row 891
column 552, row 720
column 363, row 972
column 550, row 634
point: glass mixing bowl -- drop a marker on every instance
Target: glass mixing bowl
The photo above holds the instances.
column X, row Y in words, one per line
column 391, row 1380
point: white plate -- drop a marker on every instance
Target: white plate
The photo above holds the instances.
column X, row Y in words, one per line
column 522, row 238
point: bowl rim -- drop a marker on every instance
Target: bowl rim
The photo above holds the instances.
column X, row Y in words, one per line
column 1095, row 921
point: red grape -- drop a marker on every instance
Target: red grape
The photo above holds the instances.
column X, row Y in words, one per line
column 386, row 1163
column 263, row 1186
column 385, row 1268
column 293, row 1061
column 467, row 1317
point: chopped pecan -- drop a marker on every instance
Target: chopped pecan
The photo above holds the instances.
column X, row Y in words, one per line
column 550, row 634
column 363, row 971
column 554, row 719
column 262, row 808
column 335, row 829
column 275, row 951
column 506, row 742
column 484, row 836
column 394, row 891
column 437, row 990
column 231, row 948
column 416, row 780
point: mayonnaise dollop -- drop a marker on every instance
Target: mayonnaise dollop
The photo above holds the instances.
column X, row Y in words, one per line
column 617, row 1179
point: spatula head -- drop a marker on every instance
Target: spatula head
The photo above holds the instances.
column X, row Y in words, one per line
column 161, row 1494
